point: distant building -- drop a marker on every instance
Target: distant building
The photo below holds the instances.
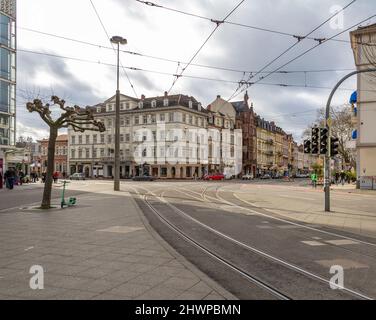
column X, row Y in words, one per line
column 7, row 78
column 61, row 155
column 365, row 113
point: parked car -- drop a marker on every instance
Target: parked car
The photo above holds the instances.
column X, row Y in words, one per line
column 216, row 176
column 143, row 178
column 77, row 176
column 266, row 176
column 277, row 176
column 247, row 177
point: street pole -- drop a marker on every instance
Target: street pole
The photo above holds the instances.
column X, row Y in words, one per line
column 117, row 40
column 117, row 129
column 328, row 126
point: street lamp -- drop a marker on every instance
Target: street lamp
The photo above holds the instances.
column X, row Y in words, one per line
column 117, row 40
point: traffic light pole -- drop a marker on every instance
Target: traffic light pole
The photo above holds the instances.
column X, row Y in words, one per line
column 328, row 126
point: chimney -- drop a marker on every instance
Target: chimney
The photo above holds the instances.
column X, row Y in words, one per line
column 218, row 96
column 165, row 93
column 142, row 97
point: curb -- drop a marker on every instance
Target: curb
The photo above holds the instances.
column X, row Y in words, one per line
column 191, row 267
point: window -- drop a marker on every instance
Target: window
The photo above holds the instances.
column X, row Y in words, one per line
column 94, row 138
column 121, row 138
column 162, row 117
column 122, row 122
column 163, row 172
column 79, row 153
column 109, row 123
column 171, row 117
column 190, row 103
column 199, row 107
column 79, row 139
column 109, row 138
column 122, row 106
column 95, row 153
column 102, row 138
column 165, row 102
column 73, row 140
column 136, row 120
column 127, row 105
column 102, row 152
column 153, row 118
column 161, row 151
column 127, row 137
column 87, row 153
column 184, row 117
column 145, row 119
column 140, row 104
column 153, row 103
column 144, row 152
column 99, row 109
column 190, row 119
column 127, row 121
column 87, row 138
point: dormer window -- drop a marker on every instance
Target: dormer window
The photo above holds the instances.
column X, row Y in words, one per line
column 122, row 106
column 165, row 102
column 199, row 107
column 190, row 103
column 140, row 104
column 99, row 109
column 153, row 103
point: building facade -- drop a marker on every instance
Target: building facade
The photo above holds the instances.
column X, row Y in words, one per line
column 166, row 136
column 61, row 156
column 7, row 77
column 365, row 114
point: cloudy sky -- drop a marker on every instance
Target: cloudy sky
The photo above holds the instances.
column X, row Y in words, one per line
column 162, row 33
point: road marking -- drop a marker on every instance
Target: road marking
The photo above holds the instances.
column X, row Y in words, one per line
column 344, row 263
column 288, row 226
column 264, row 227
column 121, row 229
column 313, row 243
column 341, row 242
column 27, row 249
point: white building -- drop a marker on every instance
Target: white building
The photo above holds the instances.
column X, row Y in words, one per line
column 365, row 58
column 163, row 136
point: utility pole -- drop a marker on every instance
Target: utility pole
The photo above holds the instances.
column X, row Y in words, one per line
column 328, row 126
column 117, row 40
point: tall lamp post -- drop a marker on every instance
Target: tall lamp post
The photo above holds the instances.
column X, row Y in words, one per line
column 117, row 40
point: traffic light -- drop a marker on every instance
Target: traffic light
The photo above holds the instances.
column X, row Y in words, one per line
column 334, row 144
column 324, row 140
column 307, row 146
column 315, row 140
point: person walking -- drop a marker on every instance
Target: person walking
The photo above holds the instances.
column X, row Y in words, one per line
column 9, row 177
column 343, row 177
column 55, row 176
column 21, row 177
column 43, row 177
column 314, row 179
column 336, row 178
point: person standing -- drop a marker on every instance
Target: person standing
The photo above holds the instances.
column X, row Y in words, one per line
column 9, row 177
column 314, row 179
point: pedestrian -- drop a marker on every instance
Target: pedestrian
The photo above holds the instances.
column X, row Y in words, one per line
column 43, row 177
column 336, row 178
column 343, row 177
column 314, row 179
column 55, row 176
column 21, row 176
column 9, row 178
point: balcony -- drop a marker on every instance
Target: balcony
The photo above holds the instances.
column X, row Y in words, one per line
column 269, row 141
column 269, row 153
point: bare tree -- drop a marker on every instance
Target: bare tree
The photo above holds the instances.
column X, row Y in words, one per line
column 341, row 128
column 78, row 118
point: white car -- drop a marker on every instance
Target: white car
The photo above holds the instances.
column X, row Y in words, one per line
column 247, row 177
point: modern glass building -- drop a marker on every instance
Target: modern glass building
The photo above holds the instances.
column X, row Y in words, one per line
column 7, row 73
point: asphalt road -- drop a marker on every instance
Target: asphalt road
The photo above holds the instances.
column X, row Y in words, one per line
column 294, row 259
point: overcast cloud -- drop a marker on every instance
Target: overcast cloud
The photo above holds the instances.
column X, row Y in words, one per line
column 162, row 33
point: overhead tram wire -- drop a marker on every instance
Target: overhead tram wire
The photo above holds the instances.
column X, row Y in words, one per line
column 299, row 40
column 181, row 62
column 307, row 51
column 171, row 74
column 153, row 4
column 109, row 39
column 218, row 23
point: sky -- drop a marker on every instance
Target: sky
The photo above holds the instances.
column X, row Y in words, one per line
column 163, row 33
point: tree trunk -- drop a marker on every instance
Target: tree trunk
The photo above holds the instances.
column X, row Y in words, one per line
column 46, row 201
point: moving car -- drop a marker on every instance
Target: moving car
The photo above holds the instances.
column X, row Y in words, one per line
column 215, row 176
column 247, row 177
column 143, row 178
column 77, row 176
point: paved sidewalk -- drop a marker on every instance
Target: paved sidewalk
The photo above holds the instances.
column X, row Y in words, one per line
column 356, row 220
column 101, row 249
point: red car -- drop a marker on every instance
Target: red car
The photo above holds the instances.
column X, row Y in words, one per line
column 215, row 176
